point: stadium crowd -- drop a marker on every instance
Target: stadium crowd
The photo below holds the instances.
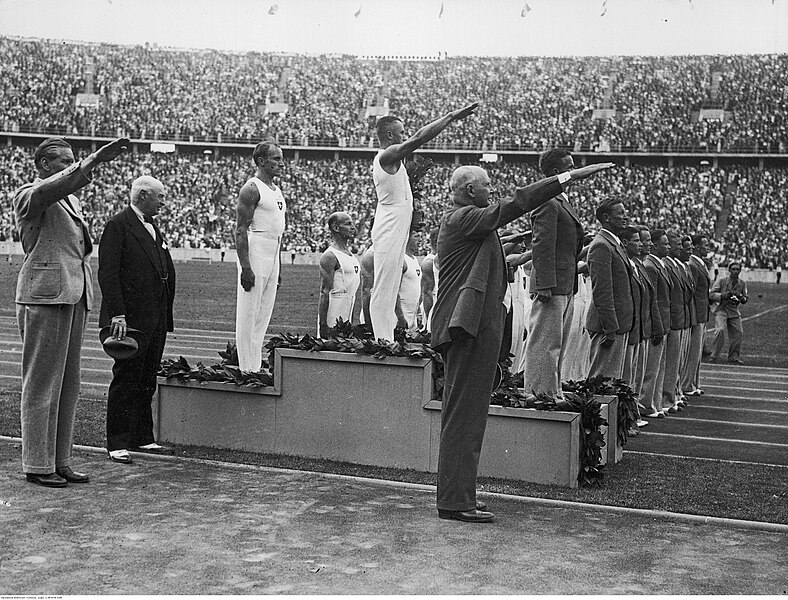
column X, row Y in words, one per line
column 200, row 210
column 530, row 102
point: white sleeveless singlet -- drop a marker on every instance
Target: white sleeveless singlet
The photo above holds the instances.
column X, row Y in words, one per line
column 410, row 290
column 269, row 214
column 343, row 293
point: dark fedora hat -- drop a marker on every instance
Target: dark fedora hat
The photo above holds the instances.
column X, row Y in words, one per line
column 129, row 347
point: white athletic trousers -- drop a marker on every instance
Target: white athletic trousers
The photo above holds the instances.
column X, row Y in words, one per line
column 253, row 308
column 388, row 275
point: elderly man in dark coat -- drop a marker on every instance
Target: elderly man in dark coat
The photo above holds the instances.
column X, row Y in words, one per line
column 468, row 322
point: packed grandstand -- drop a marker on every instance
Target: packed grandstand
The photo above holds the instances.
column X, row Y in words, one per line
column 677, row 166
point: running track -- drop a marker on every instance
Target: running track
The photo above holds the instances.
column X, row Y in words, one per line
column 743, row 416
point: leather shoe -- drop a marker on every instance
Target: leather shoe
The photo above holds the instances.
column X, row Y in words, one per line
column 153, row 448
column 47, row 480
column 468, row 516
column 72, row 476
column 120, row 456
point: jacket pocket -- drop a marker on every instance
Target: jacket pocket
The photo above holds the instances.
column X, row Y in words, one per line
column 44, row 280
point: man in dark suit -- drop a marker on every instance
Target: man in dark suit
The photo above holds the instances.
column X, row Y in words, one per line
column 557, row 242
column 468, row 322
column 53, row 296
column 700, row 277
column 611, row 312
column 137, row 280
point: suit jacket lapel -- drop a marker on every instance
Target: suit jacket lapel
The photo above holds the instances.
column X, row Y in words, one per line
column 147, row 243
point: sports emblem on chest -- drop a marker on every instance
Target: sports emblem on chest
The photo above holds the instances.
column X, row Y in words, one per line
column 279, row 203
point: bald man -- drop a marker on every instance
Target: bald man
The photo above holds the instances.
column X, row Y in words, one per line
column 468, row 322
column 53, row 294
column 137, row 280
column 339, row 275
column 395, row 210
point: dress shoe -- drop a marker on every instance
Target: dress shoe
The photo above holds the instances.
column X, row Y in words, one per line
column 120, row 456
column 656, row 415
column 469, row 516
column 633, row 431
column 736, row 361
column 72, row 476
column 154, row 448
column 696, row 392
column 642, row 423
column 672, row 410
column 47, row 480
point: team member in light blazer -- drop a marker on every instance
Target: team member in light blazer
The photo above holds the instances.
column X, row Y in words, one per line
column 700, row 277
column 680, row 321
column 54, row 292
column 611, row 312
column 468, row 322
column 659, row 283
column 557, row 242
column 137, row 280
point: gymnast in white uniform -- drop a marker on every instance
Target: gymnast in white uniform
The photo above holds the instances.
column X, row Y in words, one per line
column 339, row 275
column 260, row 224
column 394, row 211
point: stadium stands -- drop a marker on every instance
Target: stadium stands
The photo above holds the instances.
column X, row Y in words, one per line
column 529, row 104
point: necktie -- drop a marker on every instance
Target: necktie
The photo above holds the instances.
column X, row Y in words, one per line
column 148, row 219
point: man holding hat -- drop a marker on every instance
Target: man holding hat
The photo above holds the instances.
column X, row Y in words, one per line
column 53, row 294
column 137, row 280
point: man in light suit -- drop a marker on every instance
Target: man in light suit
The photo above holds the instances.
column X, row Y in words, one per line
column 700, row 277
column 468, row 322
column 54, row 292
column 659, row 280
column 611, row 312
column 137, row 280
column 557, row 242
column 680, row 323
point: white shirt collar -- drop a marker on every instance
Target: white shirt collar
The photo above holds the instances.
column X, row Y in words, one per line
column 138, row 212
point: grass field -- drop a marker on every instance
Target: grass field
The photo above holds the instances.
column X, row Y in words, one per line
column 205, row 299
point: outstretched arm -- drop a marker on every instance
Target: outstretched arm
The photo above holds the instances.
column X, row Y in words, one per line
column 394, row 154
column 52, row 189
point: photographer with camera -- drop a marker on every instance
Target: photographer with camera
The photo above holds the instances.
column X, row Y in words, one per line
column 726, row 295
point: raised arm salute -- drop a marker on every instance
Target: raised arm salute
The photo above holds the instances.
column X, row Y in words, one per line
column 54, row 292
column 468, row 322
column 394, row 210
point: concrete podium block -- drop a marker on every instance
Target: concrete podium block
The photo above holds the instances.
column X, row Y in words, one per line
column 362, row 410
